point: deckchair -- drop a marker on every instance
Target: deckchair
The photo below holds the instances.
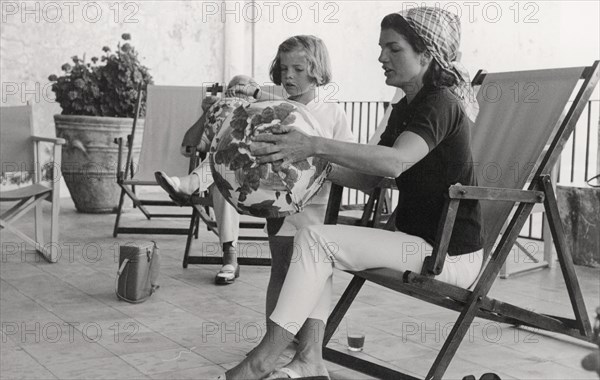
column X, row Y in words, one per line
column 19, row 154
column 170, row 111
column 524, row 130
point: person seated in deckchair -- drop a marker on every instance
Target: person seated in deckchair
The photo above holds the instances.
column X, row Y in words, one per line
column 180, row 189
column 425, row 147
column 240, row 86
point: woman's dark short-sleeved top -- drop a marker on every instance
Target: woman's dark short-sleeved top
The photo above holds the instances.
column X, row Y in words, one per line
column 436, row 116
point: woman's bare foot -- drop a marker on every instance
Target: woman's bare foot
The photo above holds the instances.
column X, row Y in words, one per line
column 263, row 359
column 297, row 368
column 256, row 366
column 307, row 362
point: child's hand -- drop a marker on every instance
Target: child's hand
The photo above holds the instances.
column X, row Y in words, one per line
column 208, row 102
column 243, row 90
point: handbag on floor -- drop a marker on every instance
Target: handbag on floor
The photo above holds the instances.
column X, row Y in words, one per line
column 138, row 272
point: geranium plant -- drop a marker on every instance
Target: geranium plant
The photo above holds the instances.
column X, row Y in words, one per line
column 108, row 88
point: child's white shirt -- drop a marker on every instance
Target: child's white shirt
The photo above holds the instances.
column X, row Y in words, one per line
column 334, row 125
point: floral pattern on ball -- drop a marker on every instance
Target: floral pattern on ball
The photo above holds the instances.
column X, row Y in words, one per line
column 217, row 114
column 263, row 190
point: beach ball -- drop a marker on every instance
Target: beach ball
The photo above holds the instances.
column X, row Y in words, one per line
column 264, row 190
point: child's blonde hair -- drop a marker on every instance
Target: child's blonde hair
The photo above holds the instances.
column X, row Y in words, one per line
column 319, row 67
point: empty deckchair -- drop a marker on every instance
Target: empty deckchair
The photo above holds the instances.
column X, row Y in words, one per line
column 170, row 112
column 519, row 135
column 20, row 155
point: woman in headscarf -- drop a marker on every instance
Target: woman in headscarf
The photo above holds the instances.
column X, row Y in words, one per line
column 425, row 147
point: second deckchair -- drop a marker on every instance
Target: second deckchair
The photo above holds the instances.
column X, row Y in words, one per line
column 520, row 130
column 20, row 158
column 170, row 111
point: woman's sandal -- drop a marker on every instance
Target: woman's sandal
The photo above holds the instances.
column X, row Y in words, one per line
column 227, row 274
column 291, row 374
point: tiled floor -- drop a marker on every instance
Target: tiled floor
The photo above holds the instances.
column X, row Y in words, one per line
column 63, row 320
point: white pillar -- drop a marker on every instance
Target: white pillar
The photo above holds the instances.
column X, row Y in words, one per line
column 237, row 40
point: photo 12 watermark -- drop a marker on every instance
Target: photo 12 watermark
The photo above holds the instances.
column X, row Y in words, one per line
column 64, row 251
column 52, row 12
column 271, row 11
column 488, row 332
column 25, row 332
column 23, row 92
column 526, row 12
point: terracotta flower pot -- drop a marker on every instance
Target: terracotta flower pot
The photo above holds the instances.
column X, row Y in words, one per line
column 90, row 158
column 579, row 206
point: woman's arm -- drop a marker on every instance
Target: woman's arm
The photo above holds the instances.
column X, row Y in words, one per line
column 350, row 178
column 375, row 160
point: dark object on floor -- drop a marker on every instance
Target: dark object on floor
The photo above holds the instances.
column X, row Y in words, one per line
column 592, row 361
column 485, row 376
column 138, row 272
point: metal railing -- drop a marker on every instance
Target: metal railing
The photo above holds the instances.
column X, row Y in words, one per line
column 364, row 117
column 576, row 164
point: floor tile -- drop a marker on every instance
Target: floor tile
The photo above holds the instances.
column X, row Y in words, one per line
column 104, row 368
column 165, row 361
column 206, row 372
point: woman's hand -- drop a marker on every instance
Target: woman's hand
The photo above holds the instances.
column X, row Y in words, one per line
column 287, row 143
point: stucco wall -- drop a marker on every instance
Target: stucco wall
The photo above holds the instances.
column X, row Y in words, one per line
column 171, row 37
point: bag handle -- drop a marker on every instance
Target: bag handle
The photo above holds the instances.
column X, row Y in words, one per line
column 119, row 272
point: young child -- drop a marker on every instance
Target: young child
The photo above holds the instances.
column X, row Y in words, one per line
column 302, row 65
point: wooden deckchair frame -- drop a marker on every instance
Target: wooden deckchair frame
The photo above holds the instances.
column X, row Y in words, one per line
column 200, row 208
column 201, row 211
column 127, row 184
column 476, row 303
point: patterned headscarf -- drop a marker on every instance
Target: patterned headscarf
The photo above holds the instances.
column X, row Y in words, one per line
column 440, row 31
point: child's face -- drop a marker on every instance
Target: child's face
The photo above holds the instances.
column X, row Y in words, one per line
column 294, row 74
